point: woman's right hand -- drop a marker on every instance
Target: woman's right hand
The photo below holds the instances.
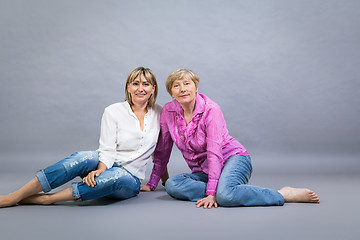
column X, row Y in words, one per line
column 90, row 178
column 145, row 188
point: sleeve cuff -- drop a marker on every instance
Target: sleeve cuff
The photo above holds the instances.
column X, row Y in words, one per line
column 153, row 181
column 211, row 187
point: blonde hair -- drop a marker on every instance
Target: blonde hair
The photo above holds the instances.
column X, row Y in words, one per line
column 149, row 76
column 180, row 74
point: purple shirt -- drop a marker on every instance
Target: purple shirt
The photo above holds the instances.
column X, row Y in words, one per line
column 205, row 142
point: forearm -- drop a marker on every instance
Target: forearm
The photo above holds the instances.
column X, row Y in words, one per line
column 161, row 158
column 101, row 166
column 159, row 172
column 214, row 172
column 165, row 177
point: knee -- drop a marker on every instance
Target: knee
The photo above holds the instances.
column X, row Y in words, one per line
column 122, row 184
column 172, row 186
column 123, row 180
column 224, row 196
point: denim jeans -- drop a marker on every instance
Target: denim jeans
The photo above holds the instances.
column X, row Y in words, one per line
column 232, row 189
column 115, row 182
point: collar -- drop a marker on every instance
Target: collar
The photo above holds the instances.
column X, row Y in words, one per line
column 130, row 111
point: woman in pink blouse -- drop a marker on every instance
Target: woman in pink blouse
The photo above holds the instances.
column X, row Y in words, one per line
column 220, row 165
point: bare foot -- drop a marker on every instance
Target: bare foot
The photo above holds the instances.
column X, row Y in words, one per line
column 299, row 195
column 7, row 200
column 42, row 199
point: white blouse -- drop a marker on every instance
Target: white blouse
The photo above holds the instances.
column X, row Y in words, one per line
column 122, row 140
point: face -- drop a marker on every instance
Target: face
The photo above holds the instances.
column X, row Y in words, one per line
column 140, row 90
column 184, row 91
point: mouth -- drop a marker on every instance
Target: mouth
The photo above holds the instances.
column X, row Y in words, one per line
column 140, row 94
column 183, row 96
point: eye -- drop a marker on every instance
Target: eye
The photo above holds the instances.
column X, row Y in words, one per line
column 135, row 83
column 146, row 84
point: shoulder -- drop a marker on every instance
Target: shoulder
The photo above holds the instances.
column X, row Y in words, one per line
column 172, row 106
column 117, row 108
column 209, row 104
column 167, row 106
column 157, row 108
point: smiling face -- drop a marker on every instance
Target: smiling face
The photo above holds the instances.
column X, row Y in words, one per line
column 140, row 90
column 184, row 91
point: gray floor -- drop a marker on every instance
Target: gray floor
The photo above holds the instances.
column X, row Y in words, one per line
column 155, row 215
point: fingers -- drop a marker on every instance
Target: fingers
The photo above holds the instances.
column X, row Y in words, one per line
column 90, row 178
column 206, row 203
column 202, row 202
column 145, row 188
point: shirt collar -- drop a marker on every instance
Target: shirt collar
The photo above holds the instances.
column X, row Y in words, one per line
column 175, row 106
column 128, row 107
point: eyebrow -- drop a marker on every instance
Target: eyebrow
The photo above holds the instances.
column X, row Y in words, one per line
column 146, row 81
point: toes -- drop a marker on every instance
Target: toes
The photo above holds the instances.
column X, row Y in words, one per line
column 315, row 198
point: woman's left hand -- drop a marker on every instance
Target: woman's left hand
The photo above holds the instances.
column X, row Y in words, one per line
column 208, row 202
column 90, row 178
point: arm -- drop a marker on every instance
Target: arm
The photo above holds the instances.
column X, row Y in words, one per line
column 107, row 148
column 108, row 139
column 162, row 153
column 215, row 124
column 164, row 178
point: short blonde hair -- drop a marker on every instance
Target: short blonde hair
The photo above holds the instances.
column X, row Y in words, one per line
column 149, row 76
column 180, row 74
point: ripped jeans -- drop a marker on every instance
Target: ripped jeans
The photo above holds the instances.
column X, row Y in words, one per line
column 115, row 182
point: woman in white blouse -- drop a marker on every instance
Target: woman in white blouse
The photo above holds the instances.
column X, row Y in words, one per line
column 129, row 132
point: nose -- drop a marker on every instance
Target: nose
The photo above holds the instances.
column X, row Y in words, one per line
column 182, row 88
column 140, row 87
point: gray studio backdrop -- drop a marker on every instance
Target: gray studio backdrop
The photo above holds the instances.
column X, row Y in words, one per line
column 285, row 73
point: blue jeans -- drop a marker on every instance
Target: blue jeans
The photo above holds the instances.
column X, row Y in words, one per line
column 115, row 182
column 232, row 189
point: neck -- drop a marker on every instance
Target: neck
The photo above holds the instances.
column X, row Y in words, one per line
column 139, row 107
column 188, row 108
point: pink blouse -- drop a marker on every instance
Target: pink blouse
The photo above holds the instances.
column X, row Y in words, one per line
column 205, row 142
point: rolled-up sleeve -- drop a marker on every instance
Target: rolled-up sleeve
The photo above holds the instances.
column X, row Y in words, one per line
column 108, row 132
